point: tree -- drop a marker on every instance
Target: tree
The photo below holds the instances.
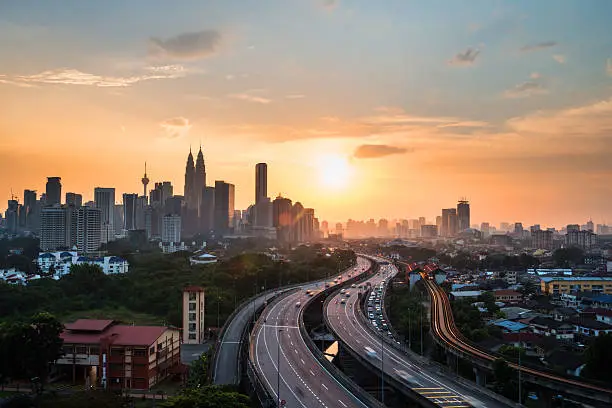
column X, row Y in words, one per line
column 566, row 257
column 198, row 372
column 207, row 397
column 502, row 372
column 512, row 352
column 488, row 298
column 599, row 359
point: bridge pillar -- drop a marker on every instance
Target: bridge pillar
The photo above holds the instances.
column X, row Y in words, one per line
column 481, row 377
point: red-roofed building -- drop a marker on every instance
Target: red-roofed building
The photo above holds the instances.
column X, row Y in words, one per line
column 507, row 296
column 130, row 357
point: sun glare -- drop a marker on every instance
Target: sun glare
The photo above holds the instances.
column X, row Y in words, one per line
column 334, row 171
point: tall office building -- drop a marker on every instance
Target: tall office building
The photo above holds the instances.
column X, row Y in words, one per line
column 308, row 219
column 261, row 182
column 171, row 228
column 53, row 191
column 88, row 229
column 161, row 193
column 282, row 210
column 199, row 179
column 518, row 228
column 572, row 227
column 57, row 228
column 141, row 206
column 463, row 215
column 585, row 240
column 74, row 199
column 31, row 207
column 299, row 227
column 119, row 222
column 224, row 207
column 449, row 222
column 207, row 210
column 485, row 228
column 104, row 199
column 190, row 195
column 12, row 216
column 130, row 205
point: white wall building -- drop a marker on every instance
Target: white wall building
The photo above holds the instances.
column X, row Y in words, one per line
column 193, row 315
column 171, row 228
column 62, row 261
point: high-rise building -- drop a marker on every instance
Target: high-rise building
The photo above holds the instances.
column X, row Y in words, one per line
column 541, row 239
column 207, row 210
column 282, row 217
column 485, row 228
column 57, row 228
column 199, row 179
column 589, row 226
column 190, row 195
column 224, row 207
column 308, row 218
column 119, row 221
column 171, row 228
column 88, row 229
column 572, row 227
column 429, row 231
column 518, row 228
column 12, row 216
column 74, row 199
column 463, row 215
column 130, row 205
column 261, row 182
column 141, row 206
column 383, row 227
column 161, row 193
column 105, row 201
column 53, row 191
column 32, row 211
column 193, row 315
column 449, row 222
column 585, row 240
column 324, row 229
column 299, row 226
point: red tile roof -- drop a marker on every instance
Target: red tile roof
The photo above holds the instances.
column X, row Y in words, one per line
column 89, row 325
column 120, row 335
column 507, row 292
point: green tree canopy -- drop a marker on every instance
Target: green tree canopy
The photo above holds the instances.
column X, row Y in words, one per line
column 599, row 359
column 208, row 397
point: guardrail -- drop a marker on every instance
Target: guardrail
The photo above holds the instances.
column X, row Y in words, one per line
column 342, row 378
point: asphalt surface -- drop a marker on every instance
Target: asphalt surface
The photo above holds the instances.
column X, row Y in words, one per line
column 226, row 365
column 301, row 381
column 414, row 373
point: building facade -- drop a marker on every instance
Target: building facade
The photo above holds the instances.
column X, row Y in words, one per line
column 566, row 285
column 193, row 315
column 224, row 207
column 463, row 215
column 53, row 191
column 171, row 228
column 104, row 198
column 88, row 229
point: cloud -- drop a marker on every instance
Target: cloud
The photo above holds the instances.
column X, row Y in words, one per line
column 560, row 58
column 468, row 57
column 186, row 46
column 250, row 98
column 370, row 151
column 539, row 46
column 176, row 127
column 526, row 89
column 329, row 4
column 295, row 96
column 609, row 66
column 535, row 75
column 68, row 76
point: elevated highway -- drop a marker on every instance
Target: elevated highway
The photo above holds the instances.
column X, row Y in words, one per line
column 420, row 380
column 285, row 364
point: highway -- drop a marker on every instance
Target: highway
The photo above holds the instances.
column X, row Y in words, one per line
column 423, row 379
column 443, row 326
column 276, row 341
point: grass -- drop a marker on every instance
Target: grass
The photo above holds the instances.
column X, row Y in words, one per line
column 122, row 314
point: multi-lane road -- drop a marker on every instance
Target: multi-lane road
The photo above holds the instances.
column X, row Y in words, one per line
column 423, row 379
column 282, row 359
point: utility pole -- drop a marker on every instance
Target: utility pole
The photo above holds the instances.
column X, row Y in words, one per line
column 218, row 302
column 519, row 369
column 382, row 368
column 278, row 399
column 421, row 328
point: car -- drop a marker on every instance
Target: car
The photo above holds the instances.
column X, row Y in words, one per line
column 343, row 301
column 308, row 291
column 347, row 294
column 343, row 291
column 371, row 315
column 370, row 352
column 353, row 286
column 404, row 376
column 298, row 304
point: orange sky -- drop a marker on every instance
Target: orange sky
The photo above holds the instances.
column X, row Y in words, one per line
column 349, row 122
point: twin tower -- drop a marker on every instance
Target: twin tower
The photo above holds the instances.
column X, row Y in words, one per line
column 195, row 180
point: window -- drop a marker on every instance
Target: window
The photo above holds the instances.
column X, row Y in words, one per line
column 81, row 349
column 117, row 351
column 116, row 367
column 140, row 352
column 192, row 336
column 94, row 350
column 192, row 306
column 68, row 349
column 192, row 296
column 159, row 346
column 152, row 351
column 192, row 316
column 192, row 326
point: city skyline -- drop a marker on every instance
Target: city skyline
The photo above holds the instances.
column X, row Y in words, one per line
column 412, row 105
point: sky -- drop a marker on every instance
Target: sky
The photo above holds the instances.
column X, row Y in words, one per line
column 362, row 109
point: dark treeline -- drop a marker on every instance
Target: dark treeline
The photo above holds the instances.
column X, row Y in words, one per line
column 155, row 282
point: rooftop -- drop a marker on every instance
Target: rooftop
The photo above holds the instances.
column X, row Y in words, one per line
column 89, row 325
column 576, row 278
column 510, row 325
column 91, row 331
column 467, row 293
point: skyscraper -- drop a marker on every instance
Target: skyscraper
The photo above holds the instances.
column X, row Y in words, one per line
column 74, row 199
column 57, row 228
column 282, row 217
column 12, row 216
column 449, row 222
column 463, row 215
column 53, row 191
column 190, row 198
column 88, row 229
column 261, row 182
column 104, row 199
column 130, row 204
column 224, row 207
column 32, row 210
column 199, row 180
column 207, row 210
column 171, row 228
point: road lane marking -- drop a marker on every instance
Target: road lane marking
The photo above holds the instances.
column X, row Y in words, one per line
column 302, row 360
column 312, row 373
column 324, row 386
column 343, row 404
column 280, row 326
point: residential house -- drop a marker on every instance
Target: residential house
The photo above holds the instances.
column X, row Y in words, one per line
column 551, row 327
column 507, row 296
column 562, row 314
column 590, row 327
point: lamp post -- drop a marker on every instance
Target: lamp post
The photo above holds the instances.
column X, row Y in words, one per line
column 278, row 399
column 519, row 368
column 382, row 368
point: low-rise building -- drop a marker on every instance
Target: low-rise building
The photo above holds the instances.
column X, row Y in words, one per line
column 468, row 294
column 507, row 296
column 16, row 277
column 550, row 327
column 560, row 285
column 105, row 354
column 590, row 327
column 60, row 263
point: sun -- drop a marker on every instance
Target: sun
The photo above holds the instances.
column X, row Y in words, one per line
column 335, row 171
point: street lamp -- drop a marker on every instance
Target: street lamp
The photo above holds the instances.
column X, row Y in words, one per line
column 382, row 368
column 278, row 400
